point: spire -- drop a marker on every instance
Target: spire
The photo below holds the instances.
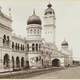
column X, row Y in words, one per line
column 34, row 12
column 64, row 39
column 49, row 5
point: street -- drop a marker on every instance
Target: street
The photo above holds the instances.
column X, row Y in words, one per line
column 70, row 73
column 67, row 73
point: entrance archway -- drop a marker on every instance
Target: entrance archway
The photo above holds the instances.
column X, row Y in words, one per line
column 6, row 61
column 56, row 62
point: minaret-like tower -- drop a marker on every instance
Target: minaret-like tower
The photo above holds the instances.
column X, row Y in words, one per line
column 68, row 52
column 49, row 24
column 34, row 27
column 34, row 41
column 64, row 44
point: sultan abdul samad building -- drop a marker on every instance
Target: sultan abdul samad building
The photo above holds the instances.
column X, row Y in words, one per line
column 32, row 51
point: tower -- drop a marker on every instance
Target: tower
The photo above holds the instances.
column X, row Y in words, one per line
column 49, row 24
column 68, row 52
column 34, row 40
column 34, row 27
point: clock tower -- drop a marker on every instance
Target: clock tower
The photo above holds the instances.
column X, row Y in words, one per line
column 49, row 24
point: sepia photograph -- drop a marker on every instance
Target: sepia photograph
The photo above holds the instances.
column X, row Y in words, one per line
column 39, row 39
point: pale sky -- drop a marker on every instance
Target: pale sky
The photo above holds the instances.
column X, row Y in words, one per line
column 67, row 18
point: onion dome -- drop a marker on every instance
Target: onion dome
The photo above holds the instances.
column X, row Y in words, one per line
column 49, row 10
column 64, row 43
column 34, row 19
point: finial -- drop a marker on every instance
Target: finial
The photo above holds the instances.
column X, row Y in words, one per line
column 9, row 11
column 34, row 12
column 64, row 39
column 49, row 1
column 0, row 8
column 49, row 5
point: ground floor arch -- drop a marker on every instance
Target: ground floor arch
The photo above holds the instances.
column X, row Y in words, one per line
column 27, row 64
column 6, row 61
column 13, row 62
column 22, row 62
column 17, row 62
column 56, row 62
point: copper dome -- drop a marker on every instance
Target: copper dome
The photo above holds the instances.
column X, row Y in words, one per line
column 64, row 43
column 34, row 19
column 49, row 10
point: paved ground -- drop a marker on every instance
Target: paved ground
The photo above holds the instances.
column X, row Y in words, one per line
column 70, row 73
column 27, row 73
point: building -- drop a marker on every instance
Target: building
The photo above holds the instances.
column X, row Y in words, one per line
column 33, row 51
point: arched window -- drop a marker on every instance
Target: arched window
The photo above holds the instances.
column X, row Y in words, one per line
column 27, row 47
column 8, row 38
column 42, row 52
column 50, row 12
column 12, row 62
column 31, row 31
column 42, row 61
column 22, row 62
column 36, row 47
column 36, row 59
column 38, row 31
column 21, row 46
column 39, row 57
column 39, row 46
column 4, row 39
column 12, row 44
column 33, row 47
column 34, row 31
column 16, row 46
column 17, row 62
column 6, row 61
column 27, row 64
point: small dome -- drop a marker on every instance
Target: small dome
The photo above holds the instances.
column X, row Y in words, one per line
column 49, row 10
column 34, row 19
column 64, row 43
column 49, row 5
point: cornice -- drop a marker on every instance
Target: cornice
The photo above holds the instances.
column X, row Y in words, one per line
column 6, row 27
column 18, row 38
column 5, row 16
